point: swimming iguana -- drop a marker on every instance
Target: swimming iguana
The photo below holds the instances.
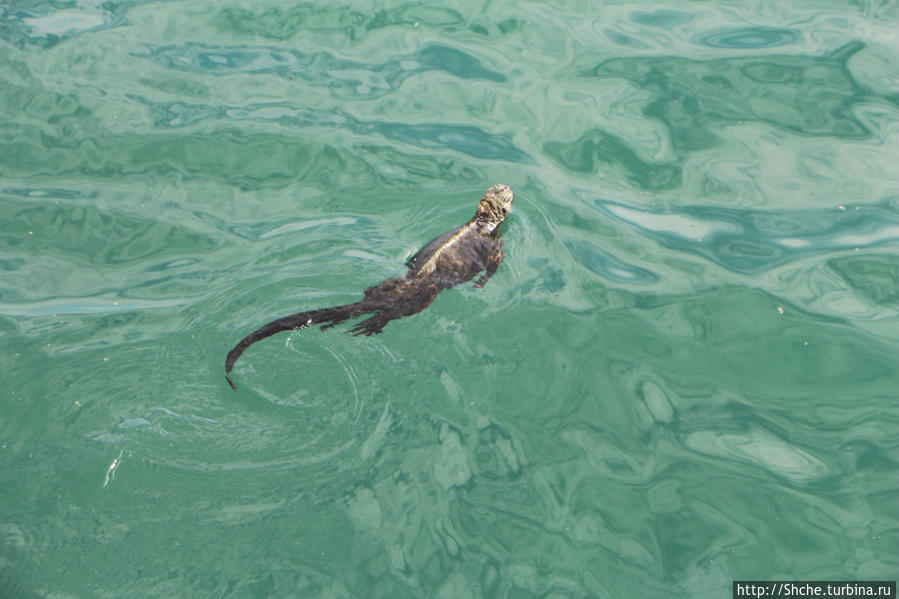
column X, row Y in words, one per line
column 455, row 257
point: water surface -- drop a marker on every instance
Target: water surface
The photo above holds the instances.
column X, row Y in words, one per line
column 684, row 373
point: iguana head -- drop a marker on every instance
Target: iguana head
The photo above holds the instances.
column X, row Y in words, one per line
column 495, row 206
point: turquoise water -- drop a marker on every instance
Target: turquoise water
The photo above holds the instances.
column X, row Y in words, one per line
column 684, row 373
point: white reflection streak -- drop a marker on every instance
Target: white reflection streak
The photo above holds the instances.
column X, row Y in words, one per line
column 861, row 240
column 110, row 472
column 673, row 223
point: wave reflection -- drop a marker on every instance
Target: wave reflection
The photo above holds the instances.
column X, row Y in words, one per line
column 751, row 241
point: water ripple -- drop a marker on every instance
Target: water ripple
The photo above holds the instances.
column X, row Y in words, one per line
column 808, row 95
column 469, row 140
column 763, row 449
column 609, row 266
column 751, row 241
column 45, row 25
column 347, row 78
column 749, row 37
column 596, row 150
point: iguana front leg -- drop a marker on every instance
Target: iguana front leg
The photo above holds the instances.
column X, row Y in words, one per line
column 493, row 261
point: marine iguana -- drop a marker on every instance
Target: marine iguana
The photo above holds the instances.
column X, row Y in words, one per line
column 452, row 258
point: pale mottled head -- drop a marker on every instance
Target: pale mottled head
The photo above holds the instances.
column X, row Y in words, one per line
column 495, row 206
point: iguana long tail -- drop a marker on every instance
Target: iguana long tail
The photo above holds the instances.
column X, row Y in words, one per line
column 327, row 316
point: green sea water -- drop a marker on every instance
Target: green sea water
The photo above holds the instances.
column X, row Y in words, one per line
column 684, row 373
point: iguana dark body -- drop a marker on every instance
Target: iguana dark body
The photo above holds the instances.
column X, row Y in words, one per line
column 455, row 257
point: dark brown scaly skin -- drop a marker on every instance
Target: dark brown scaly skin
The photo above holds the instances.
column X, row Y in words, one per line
column 452, row 258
